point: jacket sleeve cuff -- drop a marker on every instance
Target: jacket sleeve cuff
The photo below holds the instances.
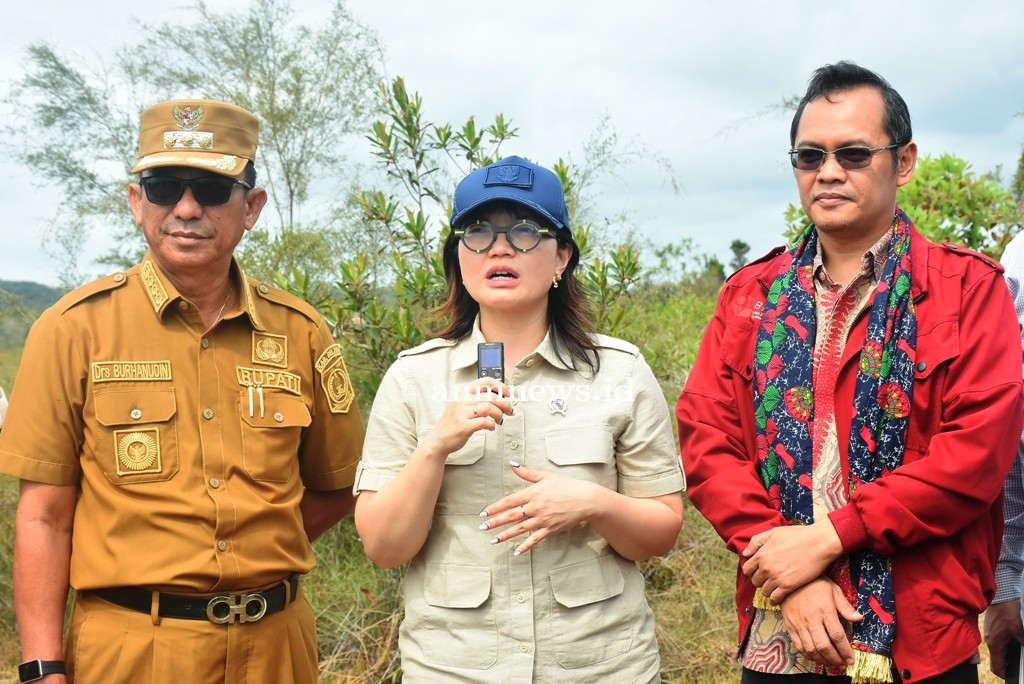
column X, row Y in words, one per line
column 853, row 535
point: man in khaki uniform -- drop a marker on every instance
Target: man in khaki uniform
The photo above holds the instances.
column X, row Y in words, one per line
column 181, row 432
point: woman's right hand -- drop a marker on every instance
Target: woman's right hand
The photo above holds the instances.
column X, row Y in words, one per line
column 486, row 410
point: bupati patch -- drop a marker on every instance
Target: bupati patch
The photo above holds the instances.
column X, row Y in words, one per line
column 130, row 371
column 335, row 380
column 260, row 377
column 138, row 451
column 269, row 349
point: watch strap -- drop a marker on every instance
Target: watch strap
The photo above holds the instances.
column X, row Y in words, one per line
column 31, row 670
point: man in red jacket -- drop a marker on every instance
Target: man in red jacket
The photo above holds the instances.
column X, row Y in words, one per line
column 852, row 414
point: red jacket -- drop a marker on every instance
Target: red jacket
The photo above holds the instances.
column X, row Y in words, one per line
column 939, row 516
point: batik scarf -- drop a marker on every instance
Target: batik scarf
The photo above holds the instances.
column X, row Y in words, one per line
column 784, row 401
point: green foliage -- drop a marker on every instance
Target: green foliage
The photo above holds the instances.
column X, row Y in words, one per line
column 947, row 201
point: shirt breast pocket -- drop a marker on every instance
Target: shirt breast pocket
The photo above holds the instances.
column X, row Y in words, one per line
column 586, row 452
column 464, row 488
column 271, row 435
column 137, row 440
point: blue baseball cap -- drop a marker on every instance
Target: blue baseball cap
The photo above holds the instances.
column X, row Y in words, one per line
column 512, row 179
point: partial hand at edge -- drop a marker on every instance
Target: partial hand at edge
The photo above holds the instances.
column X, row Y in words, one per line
column 1002, row 627
column 814, row 615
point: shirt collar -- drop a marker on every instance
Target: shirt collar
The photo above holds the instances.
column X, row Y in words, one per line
column 162, row 293
column 872, row 263
column 464, row 354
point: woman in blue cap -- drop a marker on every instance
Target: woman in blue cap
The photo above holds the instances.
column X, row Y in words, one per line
column 522, row 505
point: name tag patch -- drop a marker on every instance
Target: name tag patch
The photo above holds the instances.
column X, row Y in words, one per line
column 130, row 371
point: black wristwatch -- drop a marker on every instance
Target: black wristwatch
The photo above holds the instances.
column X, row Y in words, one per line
column 31, row 670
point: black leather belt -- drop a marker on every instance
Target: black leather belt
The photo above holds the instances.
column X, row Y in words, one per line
column 225, row 609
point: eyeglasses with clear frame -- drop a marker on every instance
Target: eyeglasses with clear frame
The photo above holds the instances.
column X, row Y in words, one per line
column 524, row 235
column 850, row 158
column 208, row 190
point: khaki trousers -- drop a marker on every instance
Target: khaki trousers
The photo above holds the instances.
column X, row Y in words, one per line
column 112, row 645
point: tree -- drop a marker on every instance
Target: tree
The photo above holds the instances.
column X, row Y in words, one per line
column 740, row 250
column 311, row 88
column 947, row 201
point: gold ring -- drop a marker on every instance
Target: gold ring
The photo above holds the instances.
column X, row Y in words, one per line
column 475, row 414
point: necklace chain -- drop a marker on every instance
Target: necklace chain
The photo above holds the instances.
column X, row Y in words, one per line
column 231, row 291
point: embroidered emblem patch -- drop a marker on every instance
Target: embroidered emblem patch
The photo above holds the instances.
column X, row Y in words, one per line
column 187, row 120
column 138, row 451
column 127, row 371
column 335, row 380
column 154, row 288
column 269, row 349
column 187, row 117
column 509, row 174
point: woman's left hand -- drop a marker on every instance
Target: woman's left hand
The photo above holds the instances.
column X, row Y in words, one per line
column 553, row 503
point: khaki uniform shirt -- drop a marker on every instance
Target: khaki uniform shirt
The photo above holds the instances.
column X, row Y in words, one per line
column 190, row 446
column 571, row 609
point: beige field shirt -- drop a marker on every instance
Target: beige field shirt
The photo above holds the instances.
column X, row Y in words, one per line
column 571, row 609
column 191, row 447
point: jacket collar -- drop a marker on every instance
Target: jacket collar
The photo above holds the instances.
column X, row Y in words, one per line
column 918, row 270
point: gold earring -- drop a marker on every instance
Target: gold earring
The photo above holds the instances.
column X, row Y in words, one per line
column 557, row 279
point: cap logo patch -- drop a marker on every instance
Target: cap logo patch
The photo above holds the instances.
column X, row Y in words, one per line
column 509, row 174
column 187, row 118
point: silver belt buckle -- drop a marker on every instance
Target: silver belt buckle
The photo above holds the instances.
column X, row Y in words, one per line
column 237, row 607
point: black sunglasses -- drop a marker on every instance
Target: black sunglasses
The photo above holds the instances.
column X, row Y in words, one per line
column 853, row 157
column 208, row 190
column 523, row 235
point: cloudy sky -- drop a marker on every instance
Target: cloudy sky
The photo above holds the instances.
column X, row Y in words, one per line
column 692, row 80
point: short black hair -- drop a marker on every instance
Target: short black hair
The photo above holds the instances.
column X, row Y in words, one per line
column 846, row 75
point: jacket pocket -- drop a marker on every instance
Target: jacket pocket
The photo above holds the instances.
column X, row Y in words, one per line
column 271, row 435
column 936, row 350
column 457, row 605
column 595, row 618
column 137, row 435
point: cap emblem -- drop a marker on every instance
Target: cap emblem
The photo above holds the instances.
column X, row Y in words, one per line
column 187, row 117
column 509, row 174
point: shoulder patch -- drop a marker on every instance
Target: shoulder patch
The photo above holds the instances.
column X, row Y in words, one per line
column 958, row 249
column 428, row 346
column 279, row 296
column 334, row 379
column 81, row 294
